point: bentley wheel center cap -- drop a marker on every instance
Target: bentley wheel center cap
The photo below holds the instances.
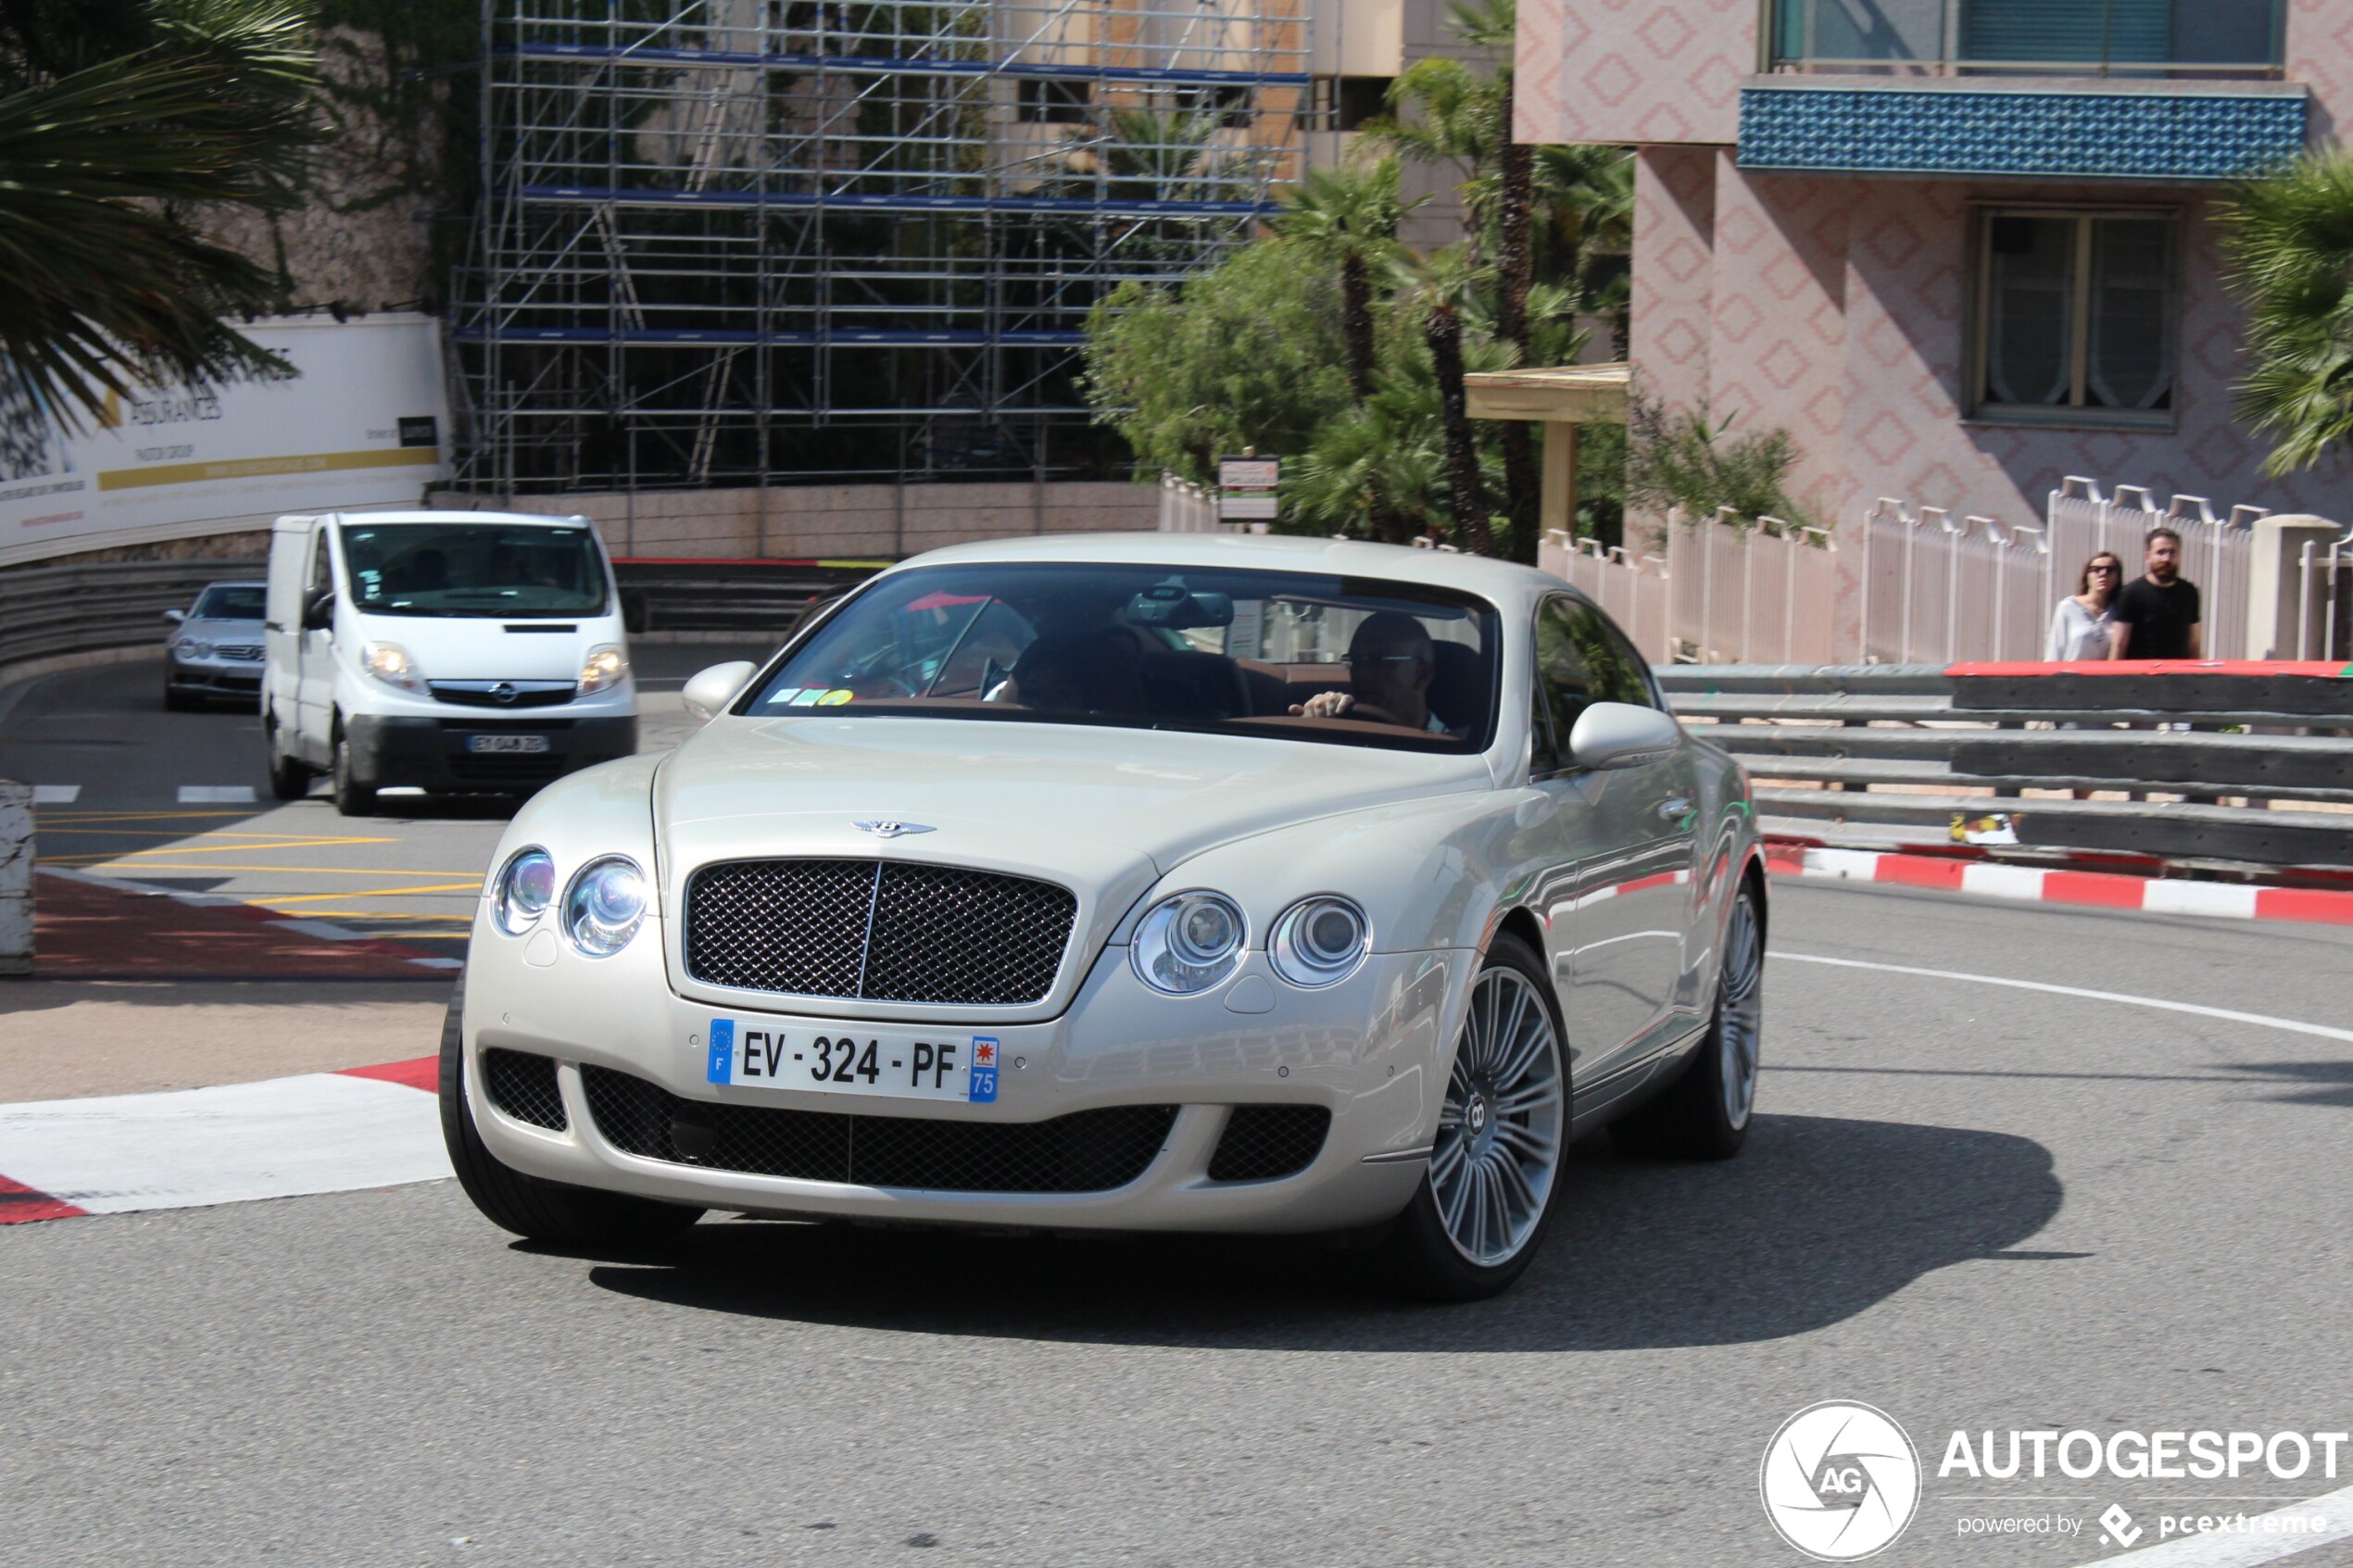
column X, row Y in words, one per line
column 1475, row 1114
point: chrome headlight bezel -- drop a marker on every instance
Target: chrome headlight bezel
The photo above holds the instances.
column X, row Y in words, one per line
column 588, row 933
column 1303, row 950
column 512, row 908
column 1169, row 953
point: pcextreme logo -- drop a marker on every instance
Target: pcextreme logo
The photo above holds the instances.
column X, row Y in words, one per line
column 1840, row 1481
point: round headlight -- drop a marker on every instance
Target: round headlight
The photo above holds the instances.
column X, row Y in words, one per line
column 1189, row 943
column 524, row 889
column 604, row 906
column 1319, row 941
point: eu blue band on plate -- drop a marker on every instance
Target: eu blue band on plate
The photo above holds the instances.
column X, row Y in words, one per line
column 722, row 1051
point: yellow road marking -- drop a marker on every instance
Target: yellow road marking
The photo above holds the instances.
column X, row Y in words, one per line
column 475, row 886
column 219, row 848
column 133, row 860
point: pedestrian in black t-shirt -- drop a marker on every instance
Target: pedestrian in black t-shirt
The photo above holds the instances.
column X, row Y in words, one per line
column 2156, row 615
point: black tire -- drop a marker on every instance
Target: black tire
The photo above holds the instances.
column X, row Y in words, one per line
column 1699, row 1116
column 289, row 779
column 1416, row 1256
column 352, row 798
column 533, row 1207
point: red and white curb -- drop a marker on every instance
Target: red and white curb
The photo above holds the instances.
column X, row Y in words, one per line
column 189, row 1148
column 314, row 930
column 2106, row 890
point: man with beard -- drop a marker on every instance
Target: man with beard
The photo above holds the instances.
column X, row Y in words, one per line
column 2156, row 615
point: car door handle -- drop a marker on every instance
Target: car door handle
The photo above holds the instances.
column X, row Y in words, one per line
column 1674, row 808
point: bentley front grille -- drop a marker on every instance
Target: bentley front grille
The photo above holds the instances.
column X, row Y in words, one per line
column 880, row 930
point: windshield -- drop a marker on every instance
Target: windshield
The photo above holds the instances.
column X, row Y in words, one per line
column 1296, row 655
column 473, row 568
column 229, row 601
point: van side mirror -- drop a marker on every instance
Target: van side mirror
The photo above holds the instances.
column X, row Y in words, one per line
column 318, row 611
column 633, row 617
column 1618, row 734
column 707, row 695
column 174, row 616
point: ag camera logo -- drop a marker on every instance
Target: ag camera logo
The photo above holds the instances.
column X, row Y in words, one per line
column 1840, row 1481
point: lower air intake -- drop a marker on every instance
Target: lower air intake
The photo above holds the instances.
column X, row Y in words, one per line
column 1264, row 1142
column 1085, row 1151
column 523, row 1085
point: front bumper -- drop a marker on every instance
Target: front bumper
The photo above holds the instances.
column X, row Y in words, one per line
column 214, row 677
column 1371, row 1053
column 395, row 750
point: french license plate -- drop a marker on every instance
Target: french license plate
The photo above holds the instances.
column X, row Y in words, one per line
column 480, row 744
column 846, row 1060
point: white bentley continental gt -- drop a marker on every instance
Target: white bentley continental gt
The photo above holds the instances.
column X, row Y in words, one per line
column 1136, row 883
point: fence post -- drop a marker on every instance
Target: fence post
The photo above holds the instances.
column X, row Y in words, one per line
column 2280, row 586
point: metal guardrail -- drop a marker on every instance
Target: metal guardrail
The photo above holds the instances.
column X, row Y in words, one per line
column 2246, row 763
column 48, row 611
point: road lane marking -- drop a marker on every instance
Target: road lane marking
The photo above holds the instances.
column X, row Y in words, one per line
column 473, row 886
column 2293, row 1026
column 2254, row 1546
column 55, row 795
column 216, row 794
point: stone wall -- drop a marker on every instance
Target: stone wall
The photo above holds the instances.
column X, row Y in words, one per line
column 838, row 522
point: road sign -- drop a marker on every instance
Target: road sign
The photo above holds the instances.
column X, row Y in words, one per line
column 1246, row 488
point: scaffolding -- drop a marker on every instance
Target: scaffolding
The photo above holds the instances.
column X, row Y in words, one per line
column 730, row 241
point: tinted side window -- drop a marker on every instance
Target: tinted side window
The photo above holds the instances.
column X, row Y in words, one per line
column 1581, row 660
column 1624, row 672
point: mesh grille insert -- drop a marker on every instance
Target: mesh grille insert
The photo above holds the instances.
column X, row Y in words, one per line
column 1087, row 1151
column 1262, row 1142
column 884, row 930
column 523, row 1085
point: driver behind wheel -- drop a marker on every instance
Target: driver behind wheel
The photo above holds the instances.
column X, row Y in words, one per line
column 1391, row 664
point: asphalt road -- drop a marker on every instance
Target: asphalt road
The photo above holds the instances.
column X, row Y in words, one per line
column 182, row 800
column 1973, row 1206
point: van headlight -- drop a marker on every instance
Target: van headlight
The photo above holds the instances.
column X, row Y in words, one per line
column 606, row 665
column 390, row 663
column 524, row 889
column 1319, row 941
column 604, row 906
column 1187, row 943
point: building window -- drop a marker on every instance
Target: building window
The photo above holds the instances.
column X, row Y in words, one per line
column 1052, row 101
column 2077, row 317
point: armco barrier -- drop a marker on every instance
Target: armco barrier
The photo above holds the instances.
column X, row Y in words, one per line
column 2257, row 759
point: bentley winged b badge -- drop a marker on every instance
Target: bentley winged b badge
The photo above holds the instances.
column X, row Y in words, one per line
column 887, row 829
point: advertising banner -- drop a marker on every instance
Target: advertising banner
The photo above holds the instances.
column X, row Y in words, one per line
column 363, row 425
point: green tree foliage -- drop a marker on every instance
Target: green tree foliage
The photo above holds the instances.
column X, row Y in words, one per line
column 1346, row 219
column 1247, row 353
column 1684, row 459
column 108, row 134
column 2288, row 241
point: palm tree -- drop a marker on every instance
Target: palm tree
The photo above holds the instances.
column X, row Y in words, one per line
column 1350, row 215
column 2289, row 240
column 110, row 283
column 1439, row 285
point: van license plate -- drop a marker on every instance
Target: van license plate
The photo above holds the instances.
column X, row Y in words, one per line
column 480, row 744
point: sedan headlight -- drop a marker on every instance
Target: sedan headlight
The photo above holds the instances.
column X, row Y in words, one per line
column 194, row 650
column 1187, row 943
column 524, row 889
column 390, row 663
column 1319, row 942
column 606, row 665
column 604, row 906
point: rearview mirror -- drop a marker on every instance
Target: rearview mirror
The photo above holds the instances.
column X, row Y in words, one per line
column 1618, row 734
column 707, row 695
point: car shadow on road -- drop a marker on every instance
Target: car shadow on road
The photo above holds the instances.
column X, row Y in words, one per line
column 1819, row 1219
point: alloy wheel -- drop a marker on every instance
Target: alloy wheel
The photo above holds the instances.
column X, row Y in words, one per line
column 1741, row 1010
column 1500, row 1129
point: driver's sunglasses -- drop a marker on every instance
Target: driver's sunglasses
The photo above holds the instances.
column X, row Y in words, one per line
column 2107, row 566
column 1359, row 661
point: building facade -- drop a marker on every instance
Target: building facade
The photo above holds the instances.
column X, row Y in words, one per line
column 1960, row 249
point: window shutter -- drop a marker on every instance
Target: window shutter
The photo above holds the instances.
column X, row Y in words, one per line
column 2074, row 31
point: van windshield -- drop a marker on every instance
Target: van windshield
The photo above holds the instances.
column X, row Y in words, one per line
column 473, row 568
column 1284, row 655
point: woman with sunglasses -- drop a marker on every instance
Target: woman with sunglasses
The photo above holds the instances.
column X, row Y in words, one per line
column 2081, row 624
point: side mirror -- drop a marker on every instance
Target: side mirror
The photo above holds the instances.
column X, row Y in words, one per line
column 174, row 616
column 1618, row 734
column 319, row 613
column 707, row 695
column 635, row 618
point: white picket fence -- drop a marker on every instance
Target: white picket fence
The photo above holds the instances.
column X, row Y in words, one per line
column 1908, row 586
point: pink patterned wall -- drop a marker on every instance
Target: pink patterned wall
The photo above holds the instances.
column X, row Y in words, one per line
column 2319, row 55
column 1634, row 70
column 1836, row 311
column 1674, row 271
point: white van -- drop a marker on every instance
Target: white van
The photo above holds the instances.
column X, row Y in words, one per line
column 462, row 651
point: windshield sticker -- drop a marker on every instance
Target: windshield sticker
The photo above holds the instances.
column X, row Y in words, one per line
column 834, row 698
column 784, row 697
column 806, row 696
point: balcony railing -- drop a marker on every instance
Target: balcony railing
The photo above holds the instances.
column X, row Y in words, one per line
column 2141, row 40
